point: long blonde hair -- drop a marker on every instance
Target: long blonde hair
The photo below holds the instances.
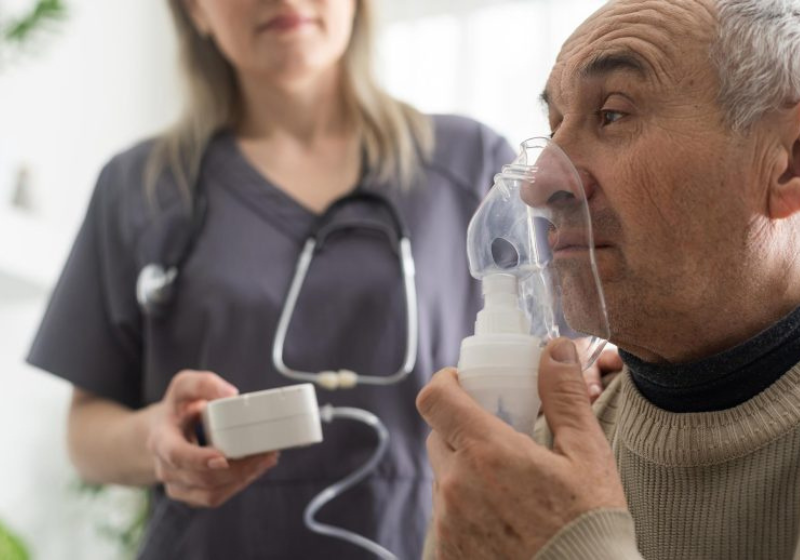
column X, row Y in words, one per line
column 397, row 138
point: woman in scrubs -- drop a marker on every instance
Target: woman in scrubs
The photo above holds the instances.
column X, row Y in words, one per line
column 283, row 118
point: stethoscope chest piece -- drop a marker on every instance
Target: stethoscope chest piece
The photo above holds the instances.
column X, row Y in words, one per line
column 155, row 287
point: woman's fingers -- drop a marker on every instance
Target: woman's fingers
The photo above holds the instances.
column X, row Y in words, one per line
column 199, row 476
column 211, row 489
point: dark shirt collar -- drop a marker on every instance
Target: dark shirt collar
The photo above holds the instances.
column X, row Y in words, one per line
column 724, row 380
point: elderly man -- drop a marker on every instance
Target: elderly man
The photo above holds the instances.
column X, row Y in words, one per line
column 684, row 118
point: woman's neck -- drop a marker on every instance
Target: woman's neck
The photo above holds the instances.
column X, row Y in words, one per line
column 304, row 110
column 299, row 137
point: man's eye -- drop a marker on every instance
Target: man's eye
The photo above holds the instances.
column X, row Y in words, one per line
column 608, row 116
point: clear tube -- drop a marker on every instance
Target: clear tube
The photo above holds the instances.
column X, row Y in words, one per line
column 328, row 413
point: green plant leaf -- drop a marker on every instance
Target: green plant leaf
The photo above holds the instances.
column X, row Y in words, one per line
column 126, row 533
column 11, row 547
column 43, row 14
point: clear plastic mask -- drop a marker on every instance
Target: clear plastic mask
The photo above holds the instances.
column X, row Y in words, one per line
column 535, row 224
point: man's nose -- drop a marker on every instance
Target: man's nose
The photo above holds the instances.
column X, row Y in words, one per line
column 555, row 182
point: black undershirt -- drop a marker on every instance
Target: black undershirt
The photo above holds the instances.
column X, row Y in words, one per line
column 725, row 380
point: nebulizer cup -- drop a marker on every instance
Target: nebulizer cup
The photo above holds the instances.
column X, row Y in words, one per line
column 530, row 244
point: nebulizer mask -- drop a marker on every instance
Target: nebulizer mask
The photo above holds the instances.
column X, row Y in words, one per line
column 530, row 244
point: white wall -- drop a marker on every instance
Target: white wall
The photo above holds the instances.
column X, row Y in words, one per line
column 103, row 81
column 491, row 59
column 106, row 81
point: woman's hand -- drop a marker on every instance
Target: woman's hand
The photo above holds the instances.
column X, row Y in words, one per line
column 198, row 476
column 607, row 366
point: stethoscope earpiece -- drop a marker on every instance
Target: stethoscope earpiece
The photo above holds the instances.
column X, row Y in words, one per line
column 155, row 287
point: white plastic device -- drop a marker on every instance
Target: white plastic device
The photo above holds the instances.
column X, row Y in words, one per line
column 287, row 417
column 499, row 365
column 263, row 421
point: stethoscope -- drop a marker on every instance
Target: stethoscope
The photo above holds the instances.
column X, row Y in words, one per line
column 156, row 283
column 315, row 243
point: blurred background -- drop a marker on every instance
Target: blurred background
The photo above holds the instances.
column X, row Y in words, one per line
column 81, row 80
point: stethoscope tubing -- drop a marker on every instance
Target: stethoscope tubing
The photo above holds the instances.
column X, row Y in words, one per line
column 408, row 272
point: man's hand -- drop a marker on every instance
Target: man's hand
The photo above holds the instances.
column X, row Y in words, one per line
column 607, row 366
column 498, row 494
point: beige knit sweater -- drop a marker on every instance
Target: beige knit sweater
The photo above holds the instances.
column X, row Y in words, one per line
column 716, row 485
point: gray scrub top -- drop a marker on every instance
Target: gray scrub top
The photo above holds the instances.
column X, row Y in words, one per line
column 351, row 314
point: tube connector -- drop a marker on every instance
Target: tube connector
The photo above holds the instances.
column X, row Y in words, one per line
column 326, row 413
column 332, row 380
column 501, row 313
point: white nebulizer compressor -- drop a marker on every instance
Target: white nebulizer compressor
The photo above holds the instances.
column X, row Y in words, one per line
column 289, row 417
column 264, row 421
column 530, row 244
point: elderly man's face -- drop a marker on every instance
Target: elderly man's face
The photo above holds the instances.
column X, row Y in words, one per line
column 672, row 192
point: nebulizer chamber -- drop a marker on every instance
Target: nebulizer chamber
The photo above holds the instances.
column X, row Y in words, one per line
column 532, row 294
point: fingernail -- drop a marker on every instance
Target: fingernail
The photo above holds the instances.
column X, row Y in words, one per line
column 595, row 390
column 218, row 463
column 564, row 351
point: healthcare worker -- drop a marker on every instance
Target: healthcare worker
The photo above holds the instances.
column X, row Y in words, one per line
column 283, row 118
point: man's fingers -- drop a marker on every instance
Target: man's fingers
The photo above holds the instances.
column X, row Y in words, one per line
column 594, row 386
column 602, row 372
column 609, row 361
column 565, row 401
column 440, row 453
column 450, row 411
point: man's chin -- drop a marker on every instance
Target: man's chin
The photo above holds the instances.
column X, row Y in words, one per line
column 584, row 309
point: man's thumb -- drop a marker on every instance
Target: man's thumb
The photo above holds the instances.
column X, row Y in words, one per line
column 565, row 401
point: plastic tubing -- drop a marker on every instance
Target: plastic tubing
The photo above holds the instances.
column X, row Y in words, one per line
column 329, row 413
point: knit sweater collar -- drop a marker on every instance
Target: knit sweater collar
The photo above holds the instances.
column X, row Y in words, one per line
column 725, row 380
column 707, row 438
column 714, row 436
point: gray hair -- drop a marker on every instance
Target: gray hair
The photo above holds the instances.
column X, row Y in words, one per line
column 757, row 56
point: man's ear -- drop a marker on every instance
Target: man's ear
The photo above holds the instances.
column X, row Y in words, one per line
column 197, row 16
column 784, row 192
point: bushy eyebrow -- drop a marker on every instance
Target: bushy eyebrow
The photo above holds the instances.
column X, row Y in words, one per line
column 604, row 64
column 608, row 63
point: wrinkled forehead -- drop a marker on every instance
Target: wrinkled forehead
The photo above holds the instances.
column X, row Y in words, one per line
column 665, row 40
